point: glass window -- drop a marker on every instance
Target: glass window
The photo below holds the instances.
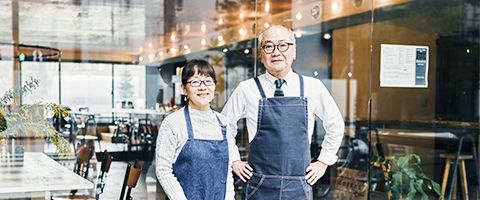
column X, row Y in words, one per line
column 47, row 75
column 87, row 85
column 129, row 82
column 6, row 82
column 6, row 67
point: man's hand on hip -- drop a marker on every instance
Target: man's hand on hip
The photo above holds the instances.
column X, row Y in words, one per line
column 242, row 169
column 315, row 171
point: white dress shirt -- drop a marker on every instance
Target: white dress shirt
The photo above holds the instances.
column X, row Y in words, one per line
column 243, row 103
column 173, row 135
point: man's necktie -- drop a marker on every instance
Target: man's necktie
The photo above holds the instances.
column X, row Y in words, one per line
column 278, row 89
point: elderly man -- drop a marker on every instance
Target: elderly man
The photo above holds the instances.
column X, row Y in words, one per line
column 280, row 107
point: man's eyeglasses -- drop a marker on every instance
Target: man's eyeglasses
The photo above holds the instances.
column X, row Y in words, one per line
column 270, row 48
column 197, row 83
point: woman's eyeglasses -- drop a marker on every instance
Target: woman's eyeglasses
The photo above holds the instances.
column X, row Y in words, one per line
column 197, row 83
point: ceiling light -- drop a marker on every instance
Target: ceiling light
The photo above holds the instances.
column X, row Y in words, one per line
column 220, row 38
column 204, row 28
column 186, row 29
column 315, row 12
column 298, row 34
column 336, row 6
column 203, row 42
column 242, row 31
column 327, row 36
column 267, row 6
column 298, row 16
column 225, row 50
column 246, row 51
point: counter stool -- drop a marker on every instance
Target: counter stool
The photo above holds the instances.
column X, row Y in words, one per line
column 460, row 157
column 463, row 173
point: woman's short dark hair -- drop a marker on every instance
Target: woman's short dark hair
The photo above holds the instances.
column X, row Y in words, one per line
column 197, row 66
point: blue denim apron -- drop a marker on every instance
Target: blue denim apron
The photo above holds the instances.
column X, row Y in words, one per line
column 279, row 153
column 201, row 167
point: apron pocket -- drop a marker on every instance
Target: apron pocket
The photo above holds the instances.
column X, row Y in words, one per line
column 307, row 189
column 253, row 184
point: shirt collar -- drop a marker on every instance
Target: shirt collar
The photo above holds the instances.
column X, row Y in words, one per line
column 288, row 78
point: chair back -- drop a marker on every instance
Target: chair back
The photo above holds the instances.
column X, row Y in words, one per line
column 132, row 175
column 84, row 154
column 105, row 167
column 91, row 127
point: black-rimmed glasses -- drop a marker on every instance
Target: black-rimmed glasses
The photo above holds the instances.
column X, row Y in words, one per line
column 197, row 83
column 270, row 48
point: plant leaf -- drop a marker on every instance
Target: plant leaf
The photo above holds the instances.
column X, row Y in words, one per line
column 411, row 190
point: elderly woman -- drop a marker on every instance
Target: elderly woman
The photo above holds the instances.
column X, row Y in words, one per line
column 194, row 146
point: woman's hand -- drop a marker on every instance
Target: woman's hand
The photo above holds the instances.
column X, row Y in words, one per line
column 242, row 170
column 315, row 171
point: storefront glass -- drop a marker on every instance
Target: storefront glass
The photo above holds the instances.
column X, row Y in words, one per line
column 404, row 74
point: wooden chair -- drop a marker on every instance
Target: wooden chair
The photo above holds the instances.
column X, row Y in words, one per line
column 90, row 133
column 81, row 167
column 132, row 174
column 106, row 162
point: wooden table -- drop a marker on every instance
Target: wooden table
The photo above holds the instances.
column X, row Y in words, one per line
column 36, row 174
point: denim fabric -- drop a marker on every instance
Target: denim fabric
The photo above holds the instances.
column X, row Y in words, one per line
column 278, row 187
column 201, row 167
column 279, row 153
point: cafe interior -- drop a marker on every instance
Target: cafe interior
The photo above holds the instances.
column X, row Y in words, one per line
column 85, row 85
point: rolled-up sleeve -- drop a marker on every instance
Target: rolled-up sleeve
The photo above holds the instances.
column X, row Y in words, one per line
column 327, row 110
column 234, row 109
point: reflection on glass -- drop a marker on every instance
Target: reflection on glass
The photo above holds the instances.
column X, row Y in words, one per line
column 87, row 85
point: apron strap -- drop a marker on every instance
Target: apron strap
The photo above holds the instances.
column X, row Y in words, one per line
column 260, row 88
column 188, row 121
column 223, row 127
column 302, row 92
column 190, row 128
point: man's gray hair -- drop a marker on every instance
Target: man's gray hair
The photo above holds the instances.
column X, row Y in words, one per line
column 260, row 37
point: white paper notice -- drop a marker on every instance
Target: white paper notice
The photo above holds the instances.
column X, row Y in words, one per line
column 403, row 66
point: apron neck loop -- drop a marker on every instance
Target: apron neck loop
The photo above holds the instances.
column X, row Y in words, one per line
column 223, row 127
column 262, row 93
column 260, row 88
column 302, row 92
column 188, row 121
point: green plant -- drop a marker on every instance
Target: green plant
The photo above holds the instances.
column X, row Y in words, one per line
column 28, row 120
column 406, row 177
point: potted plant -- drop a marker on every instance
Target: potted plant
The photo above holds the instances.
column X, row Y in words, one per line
column 405, row 179
column 28, row 120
